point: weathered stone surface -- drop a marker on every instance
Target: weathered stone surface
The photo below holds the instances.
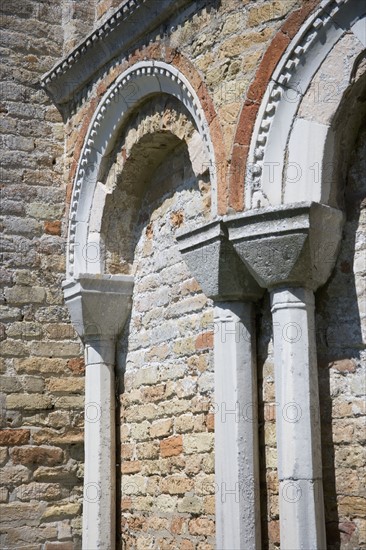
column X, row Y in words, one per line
column 43, row 365
column 14, row 437
column 38, row 491
column 176, row 485
column 3, row 455
column 53, row 513
column 46, row 436
column 198, row 443
column 13, row 475
column 286, row 245
column 33, row 267
column 268, row 11
column 28, row 402
column 214, row 263
column 20, row 513
column 161, row 428
column 46, row 456
column 24, row 295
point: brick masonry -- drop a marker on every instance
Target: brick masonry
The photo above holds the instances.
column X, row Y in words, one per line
column 165, row 360
column 41, row 377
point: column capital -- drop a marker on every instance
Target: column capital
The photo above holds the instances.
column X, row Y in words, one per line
column 288, row 246
column 99, row 305
column 216, row 266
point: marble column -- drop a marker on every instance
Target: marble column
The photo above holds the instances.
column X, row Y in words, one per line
column 299, row 464
column 215, row 265
column 291, row 250
column 99, row 306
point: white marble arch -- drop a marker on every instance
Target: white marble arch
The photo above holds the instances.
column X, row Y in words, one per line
column 288, row 151
column 144, row 79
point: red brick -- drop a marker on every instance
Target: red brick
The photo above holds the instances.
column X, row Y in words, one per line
column 221, row 164
column 76, row 365
column 274, row 532
column 59, row 546
column 210, row 422
column 108, row 80
column 206, row 103
column 255, row 94
column 236, row 177
column 176, row 526
column 186, row 545
column 268, row 64
column 127, row 450
column 193, row 77
column 297, row 18
column 52, row 228
column 44, row 456
column 270, row 411
column 126, row 503
column 246, row 123
column 14, row 437
column 344, row 365
column 153, row 393
column 204, row 340
column 171, row 446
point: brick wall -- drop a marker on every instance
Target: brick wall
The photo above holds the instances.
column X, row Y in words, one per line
column 165, row 368
column 41, row 369
column 166, row 425
column 41, row 375
column 341, row 331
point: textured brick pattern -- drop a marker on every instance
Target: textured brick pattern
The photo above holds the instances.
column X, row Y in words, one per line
column 167, row 444
column 342, row 367
column 167, row 418
column 41, row 391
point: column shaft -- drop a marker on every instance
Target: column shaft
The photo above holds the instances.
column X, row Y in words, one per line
column 99, row 511
column 302, row 524
column 236, row 429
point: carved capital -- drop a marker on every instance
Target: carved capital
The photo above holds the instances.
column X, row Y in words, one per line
column 98, row 304
column 214, row 263
column 292, row 245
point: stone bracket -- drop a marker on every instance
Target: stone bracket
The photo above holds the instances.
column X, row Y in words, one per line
column 216, row 266
column 98, row 304
column 292, row 245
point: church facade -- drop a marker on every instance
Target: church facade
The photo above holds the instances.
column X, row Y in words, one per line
column 183, row 275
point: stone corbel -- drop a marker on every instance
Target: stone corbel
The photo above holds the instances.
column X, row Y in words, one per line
column 99, row 306
column 215, row 265
column 292, row 250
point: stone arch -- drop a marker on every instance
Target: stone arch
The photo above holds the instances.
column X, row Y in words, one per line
column 268, row 135
column 142, row 80
column 160, row 127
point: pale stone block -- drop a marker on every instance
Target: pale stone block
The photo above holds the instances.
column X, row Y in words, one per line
column 198, row 443
column 304, row 169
